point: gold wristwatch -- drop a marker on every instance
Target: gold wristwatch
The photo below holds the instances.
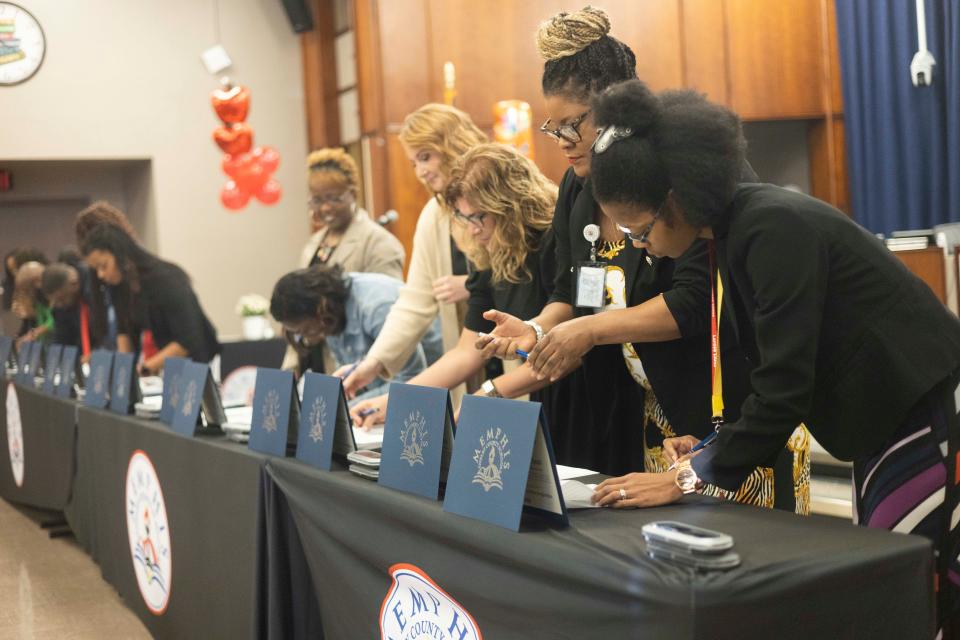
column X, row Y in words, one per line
column 687, row 479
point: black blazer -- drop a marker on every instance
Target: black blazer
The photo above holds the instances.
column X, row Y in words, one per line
column 678, row 370
column 172, row 311
column 843, row 336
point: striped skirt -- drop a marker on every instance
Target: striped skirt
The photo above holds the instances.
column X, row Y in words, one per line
column 910, row 486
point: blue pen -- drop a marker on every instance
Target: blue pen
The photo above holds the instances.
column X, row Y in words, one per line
column 368, row 411
column 520, row 352
column 697, row 447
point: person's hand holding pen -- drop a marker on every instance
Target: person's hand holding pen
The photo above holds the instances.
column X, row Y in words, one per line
column 675, row 449
column 358, row 375
column 369, row 413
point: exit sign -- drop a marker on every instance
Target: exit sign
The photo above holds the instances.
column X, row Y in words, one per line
column 6, row 180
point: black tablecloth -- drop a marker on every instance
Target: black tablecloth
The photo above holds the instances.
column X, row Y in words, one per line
column 813, row 577
column 49, row 437
column 210, row 487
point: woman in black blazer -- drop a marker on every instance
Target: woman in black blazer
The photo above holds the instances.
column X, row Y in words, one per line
column 843, row 337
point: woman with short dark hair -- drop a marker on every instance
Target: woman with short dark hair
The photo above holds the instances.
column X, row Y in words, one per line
column 843, row 337
column 346, row 311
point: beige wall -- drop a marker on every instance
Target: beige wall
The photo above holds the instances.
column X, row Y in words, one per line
column 124, row 80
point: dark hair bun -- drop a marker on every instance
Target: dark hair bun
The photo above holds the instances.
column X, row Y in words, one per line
column 627, row 104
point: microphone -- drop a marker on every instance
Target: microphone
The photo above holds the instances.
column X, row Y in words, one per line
column 388, row 217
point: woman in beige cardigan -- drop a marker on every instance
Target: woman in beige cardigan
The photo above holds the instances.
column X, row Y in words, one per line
column 433, row 137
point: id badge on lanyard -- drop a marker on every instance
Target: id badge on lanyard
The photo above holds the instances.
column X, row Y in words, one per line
column 591, row 275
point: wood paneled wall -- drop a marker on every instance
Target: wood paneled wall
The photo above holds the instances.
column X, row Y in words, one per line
column 765, row 59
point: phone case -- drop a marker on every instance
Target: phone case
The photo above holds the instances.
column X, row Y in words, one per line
column 727, row 560
column 687, row 537
column 365, row 472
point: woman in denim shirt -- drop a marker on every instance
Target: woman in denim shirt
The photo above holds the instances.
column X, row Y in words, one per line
column 347, row 312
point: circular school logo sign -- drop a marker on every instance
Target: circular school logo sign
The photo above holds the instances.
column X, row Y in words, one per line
column 416, row 607
column 148, row 532
column 14, row 434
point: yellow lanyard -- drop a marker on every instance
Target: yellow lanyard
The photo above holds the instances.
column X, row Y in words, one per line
column 716, row 306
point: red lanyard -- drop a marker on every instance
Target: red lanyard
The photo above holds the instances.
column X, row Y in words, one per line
column 716, row 302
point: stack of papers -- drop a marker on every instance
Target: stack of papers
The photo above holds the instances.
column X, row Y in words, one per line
column 576, row 494
column 149, row 408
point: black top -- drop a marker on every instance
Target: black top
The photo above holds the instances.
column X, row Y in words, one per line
column 678, row 370
column 173, row 314
column 458, row 259
column 844, row 337
column 523, row 300
column 67, row 328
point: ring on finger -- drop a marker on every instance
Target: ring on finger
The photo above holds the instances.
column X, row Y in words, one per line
column 623, row 493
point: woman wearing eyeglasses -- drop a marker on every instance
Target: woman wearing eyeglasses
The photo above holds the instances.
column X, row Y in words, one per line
column 434, row 137
column 347, row 236
column 503, row 205
column 632, row 351
column 844, row 337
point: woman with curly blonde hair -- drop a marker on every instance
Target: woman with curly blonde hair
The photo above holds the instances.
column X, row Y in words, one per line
column 434, row 137
column 505, row 206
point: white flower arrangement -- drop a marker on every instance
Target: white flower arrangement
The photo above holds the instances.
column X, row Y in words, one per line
column 252, row 305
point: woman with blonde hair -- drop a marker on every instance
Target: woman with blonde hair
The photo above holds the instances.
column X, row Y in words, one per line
column 434, row 137
column 504, row 205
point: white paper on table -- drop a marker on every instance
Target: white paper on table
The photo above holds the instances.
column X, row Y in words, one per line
column 152, row 402
column 372, row 439
column 576, row 495
column 239, row 415
column 567, row 473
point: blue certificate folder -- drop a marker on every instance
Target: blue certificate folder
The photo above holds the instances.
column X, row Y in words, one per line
column 197, row 402
column 502, row 462
column 325, row 426
column 29, row 359
column 98, row 382
column 172, row 369
column 51, row 368
column 123, row 395
column 417, row 440
column 275, row 412
column 6, row 348
column 68, row 372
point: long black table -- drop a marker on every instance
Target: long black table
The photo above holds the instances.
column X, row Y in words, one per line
column 48, row 427
column 269, row 547
column 813, row 577
column 210, row 487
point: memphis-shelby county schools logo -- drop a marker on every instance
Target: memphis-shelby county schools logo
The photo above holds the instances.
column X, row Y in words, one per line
column 120, row 386
column 271, row 411
column 318, row 417
column 416, row 607
column 148, row 532
column 15, row 435
column 414, row 438
column 99, row 380
column 189, row 398
column 491, row 459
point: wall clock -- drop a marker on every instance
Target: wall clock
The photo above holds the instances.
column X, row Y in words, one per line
column 22, row 44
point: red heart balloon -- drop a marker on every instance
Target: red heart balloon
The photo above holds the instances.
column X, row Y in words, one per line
column 270, row 192
column 251, row 176
column 233, row 165
column 234, row 139
column 269, row 158
column 231, row 105
column 233, row 197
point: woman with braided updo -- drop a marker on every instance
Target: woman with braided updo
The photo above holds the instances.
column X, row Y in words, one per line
column 639, row 352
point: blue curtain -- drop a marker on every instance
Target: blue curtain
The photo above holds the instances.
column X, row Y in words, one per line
column 903, row 142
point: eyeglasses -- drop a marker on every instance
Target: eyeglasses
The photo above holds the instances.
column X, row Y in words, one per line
column 476, row 219
column 569, row 132
column 642, row 238
column 318, row 201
